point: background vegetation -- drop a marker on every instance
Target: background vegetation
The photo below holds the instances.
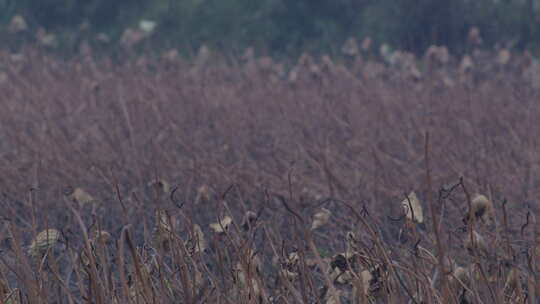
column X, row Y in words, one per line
column 287, row 27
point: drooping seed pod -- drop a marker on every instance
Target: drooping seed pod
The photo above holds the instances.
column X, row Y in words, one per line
column 162, row 221
column 162, row 232
column 242, row 274
column 352, row 245
column 222, row 225
column 320, row 218
column 81, row 197
column 373, row 281
column 340, row 270
column 333, row 296
column 460, row 281
column 203, row 194
column 196, row 243
column 101, row 236
column 481, row 209
column 249, row 220
column 4, row 289
column 341, row 277
column 289, row 265
column 366, row 277
column 513, row 290
column 413, row 208
column 460, row 276
column 287, row 274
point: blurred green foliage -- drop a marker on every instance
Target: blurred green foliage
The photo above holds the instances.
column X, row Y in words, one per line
column 285, row 26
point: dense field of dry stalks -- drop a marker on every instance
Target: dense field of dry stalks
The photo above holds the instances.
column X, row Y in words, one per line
column 159, row 180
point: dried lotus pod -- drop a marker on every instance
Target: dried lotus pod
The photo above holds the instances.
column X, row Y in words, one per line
column 293, row 258
column 350, row 48
column 18, row 24
column 289, row 275
column 249, row 220
column 80, row 196
column 339, row 261
column 503, row 57
column 44, row 241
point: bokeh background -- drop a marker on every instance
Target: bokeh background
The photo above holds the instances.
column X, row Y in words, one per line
column 274, row 26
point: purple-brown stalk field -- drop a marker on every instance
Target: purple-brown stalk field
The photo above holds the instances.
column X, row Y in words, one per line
column 219, row 180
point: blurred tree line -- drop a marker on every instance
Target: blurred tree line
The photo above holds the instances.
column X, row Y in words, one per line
column 287, row 26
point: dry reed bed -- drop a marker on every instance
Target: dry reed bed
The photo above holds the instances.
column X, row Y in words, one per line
column 162, row 181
